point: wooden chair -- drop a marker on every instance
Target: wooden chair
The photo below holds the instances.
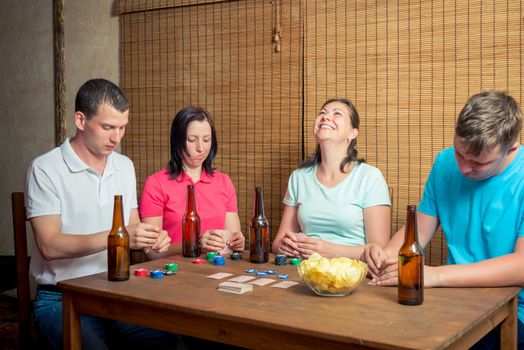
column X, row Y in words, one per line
column 26, row 330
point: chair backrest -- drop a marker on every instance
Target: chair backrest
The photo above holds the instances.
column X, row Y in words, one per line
column 25, row 325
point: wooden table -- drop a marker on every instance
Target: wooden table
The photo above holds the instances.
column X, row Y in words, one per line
column 294, row 318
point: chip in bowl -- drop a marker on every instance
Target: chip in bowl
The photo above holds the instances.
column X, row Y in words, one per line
column 332, row 277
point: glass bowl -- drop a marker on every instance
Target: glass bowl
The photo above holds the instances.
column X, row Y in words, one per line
column 332, row 277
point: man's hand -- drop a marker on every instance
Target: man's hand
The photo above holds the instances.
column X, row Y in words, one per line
column 147, row 236
column 213, row 240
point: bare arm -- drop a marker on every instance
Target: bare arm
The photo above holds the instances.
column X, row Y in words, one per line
column 174, row 248
column 54, row 244
column 378, row 258
column 284, row 240
column 505, row 270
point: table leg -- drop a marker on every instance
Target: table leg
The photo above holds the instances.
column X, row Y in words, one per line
column 508, row 328
column 71, row 323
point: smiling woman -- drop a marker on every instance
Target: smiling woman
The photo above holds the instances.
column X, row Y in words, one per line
column 335, row 203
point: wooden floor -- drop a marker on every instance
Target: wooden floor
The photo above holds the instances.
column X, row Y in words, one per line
column 8, row 320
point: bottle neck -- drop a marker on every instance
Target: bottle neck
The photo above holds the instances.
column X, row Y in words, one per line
column 118, row 214
column 259, row 203
column 191, row 205
column 411, row 234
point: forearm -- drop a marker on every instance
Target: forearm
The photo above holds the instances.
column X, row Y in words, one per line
column 64, row 246
column 174, row 248
column 502, row 271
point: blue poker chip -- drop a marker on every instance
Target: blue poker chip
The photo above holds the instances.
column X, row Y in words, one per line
column 283, row 277
column 261, row 273
column 271, row 272
column 251, row 271
column 219, row 260
column 157, row 274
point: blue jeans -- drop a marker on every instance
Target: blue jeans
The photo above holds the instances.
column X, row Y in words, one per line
column 97, row 333
column 491, row 341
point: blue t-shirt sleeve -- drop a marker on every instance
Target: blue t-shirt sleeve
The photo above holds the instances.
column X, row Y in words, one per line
column 428, row 203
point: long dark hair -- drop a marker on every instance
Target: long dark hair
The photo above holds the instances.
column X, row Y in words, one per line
column 178, row 138
column 352, row 153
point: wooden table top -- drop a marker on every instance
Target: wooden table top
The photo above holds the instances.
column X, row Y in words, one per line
column 370, row 317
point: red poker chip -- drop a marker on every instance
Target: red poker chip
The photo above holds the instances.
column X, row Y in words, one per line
column 199, row 261
column 141, row 272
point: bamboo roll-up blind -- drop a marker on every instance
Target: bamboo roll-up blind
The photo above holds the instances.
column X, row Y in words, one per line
column 221, row 56
column 410, row 67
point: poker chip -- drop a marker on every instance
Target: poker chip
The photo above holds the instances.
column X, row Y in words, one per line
column 251, row 271
column 210, row 256
column 157, row 274
column 236, row 256
column 271, row 272
column 199, row 261
column 280, row 259
column 295, row 261
column 260, row 273
column 283, row 277
column 141, row 272
column 169, row 273
column 219, row 260
column 172, row 267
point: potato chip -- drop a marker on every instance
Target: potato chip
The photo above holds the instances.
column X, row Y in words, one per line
column 336, row 276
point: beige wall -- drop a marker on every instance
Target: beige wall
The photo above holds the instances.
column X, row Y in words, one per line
column 26, row 76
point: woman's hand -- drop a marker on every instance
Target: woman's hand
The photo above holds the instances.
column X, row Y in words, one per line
column 213, row 240
column 236, row 241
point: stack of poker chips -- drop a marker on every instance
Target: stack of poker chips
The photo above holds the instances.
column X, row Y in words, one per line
column 236, row 256
column 219, row 260
column 141, row 272
column 295, row 261
column 280, row 259
column 210, row 256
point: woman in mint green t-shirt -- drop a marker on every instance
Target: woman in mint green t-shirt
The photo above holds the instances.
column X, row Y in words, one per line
column 335, row 203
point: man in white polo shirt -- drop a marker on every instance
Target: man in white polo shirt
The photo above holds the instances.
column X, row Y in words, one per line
column 70, row 192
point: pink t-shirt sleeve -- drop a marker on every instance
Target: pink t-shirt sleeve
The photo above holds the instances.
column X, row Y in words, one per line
column 232, row 204
column 152, row 200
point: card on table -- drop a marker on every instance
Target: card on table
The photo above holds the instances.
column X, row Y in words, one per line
column 285, row 284
column 262, row 281
column 242, row 278
column 220, row 275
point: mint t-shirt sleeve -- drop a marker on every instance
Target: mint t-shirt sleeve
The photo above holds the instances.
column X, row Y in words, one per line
column 376, row 190
column 290, row 198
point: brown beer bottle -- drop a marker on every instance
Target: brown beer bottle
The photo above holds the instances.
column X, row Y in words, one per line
column 191, row 227
column 259, row 231
column 118, row 246
column 411, row 263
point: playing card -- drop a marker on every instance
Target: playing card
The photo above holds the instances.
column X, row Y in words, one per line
column 220, row 275
column 242, row 278
column 285, row 284
column 262, row 281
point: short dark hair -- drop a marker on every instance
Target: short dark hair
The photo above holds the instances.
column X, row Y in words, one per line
column 352, row 153
column 93, row 93
column 178, row 138
column 489, row 119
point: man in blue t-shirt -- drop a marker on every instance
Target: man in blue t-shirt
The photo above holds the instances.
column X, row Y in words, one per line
column 475, row 191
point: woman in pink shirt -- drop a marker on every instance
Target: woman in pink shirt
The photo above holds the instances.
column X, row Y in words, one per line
column 194, row 145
